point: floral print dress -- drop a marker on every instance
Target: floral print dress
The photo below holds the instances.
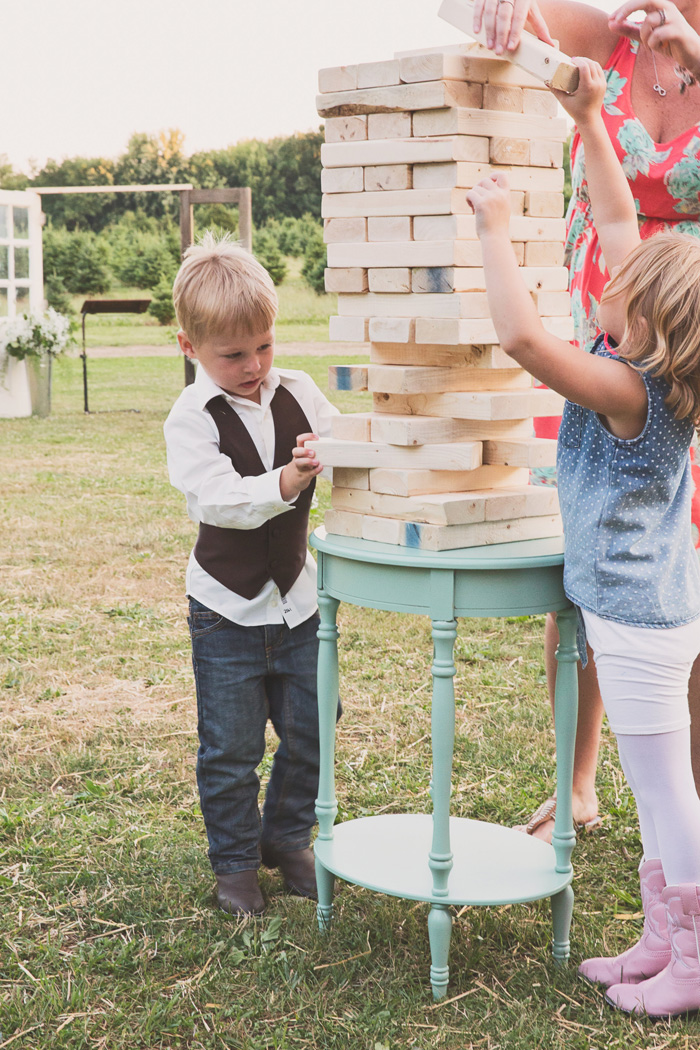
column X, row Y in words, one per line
column 665, row 182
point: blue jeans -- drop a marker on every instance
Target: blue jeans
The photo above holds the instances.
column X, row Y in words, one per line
column 244, row 675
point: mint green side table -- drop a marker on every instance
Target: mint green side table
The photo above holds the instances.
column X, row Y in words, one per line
column 445, row 860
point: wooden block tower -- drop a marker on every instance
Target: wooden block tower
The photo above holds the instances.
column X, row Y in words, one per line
column 443, row 459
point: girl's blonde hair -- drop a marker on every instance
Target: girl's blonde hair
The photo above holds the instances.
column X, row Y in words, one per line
column 222, row 289
column 661, row 281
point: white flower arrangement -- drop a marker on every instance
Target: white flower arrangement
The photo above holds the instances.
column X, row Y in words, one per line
column 36, row 335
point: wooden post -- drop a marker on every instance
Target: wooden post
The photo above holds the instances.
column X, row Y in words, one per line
column 186, row 239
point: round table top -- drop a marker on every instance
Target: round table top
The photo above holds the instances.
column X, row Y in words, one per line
column 522, row 554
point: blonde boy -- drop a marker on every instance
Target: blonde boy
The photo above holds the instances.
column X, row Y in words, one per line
column 235, row 441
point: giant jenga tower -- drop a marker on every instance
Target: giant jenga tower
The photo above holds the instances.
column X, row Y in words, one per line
column 443, row 459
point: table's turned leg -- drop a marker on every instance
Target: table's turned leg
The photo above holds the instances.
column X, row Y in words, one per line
column 443, row 737
column 326, row 806
column 565, row 717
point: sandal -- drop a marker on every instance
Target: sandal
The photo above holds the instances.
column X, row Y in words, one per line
column 548, row 811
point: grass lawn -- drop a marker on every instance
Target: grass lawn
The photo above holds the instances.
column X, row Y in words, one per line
column 303, row 316
column 111, row 940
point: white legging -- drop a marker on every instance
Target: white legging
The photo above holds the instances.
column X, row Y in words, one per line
column 643, row 675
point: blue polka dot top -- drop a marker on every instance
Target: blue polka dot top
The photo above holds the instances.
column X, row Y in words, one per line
column 626, row 511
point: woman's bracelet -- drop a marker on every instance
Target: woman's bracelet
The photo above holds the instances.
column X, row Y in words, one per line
column 686, row 78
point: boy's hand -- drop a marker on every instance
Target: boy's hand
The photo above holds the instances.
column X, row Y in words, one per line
column 490, row 200
column 586, row 102
column 298, row 474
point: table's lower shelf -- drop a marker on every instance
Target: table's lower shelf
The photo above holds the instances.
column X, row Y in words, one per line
column 492, row 864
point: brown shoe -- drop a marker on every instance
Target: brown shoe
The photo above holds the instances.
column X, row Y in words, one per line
column 297, row 868
column 239, row 893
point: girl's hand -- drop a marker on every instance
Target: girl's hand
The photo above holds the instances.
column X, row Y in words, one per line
column 504, row 21
column 490, row 200
column 303, row 468
column 664, row 29
column 586, row 102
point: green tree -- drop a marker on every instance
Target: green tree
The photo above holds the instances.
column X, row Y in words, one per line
column 161, row 306
column 313, row 270
column 79, row 258
column 266, row 251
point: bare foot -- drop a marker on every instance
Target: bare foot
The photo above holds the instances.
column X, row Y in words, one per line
column 541, row 823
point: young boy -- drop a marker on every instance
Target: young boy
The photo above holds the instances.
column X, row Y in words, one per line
column 235, row 441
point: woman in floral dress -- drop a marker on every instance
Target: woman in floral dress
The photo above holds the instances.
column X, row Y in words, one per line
column 652, row 112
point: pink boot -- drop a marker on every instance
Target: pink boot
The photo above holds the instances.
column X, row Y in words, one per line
column 676, row 990
column 652, row 952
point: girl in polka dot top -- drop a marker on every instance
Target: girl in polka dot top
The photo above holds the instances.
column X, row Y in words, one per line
column 623, row 464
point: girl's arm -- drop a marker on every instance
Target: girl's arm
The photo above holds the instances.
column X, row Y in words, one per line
column 611, row 388
column 614, row 211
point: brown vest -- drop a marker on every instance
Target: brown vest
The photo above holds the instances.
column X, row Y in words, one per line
column 245, row 559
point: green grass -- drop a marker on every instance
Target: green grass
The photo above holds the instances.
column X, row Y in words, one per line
column 111, row 940
column 303, row 317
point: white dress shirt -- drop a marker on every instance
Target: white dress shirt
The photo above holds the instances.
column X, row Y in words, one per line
column 218, row 495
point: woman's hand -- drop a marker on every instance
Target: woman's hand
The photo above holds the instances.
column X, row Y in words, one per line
column 664, row 29
column 490, row 200
column 586, row 102
column 504, row 21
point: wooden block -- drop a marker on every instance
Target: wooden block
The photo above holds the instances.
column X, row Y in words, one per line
column 416, row 379
column 378, row 74
column 413, row 409
column 546, row 153
column 451, row 508
column 403, row 97
column 541, row 60
column 419, row 482
column 352, row 478
column 351, row 426
column 390, row 279
column 337, row 78
column 347, row 377
column 468, row 253
column 444, row 175
column 433, row 279
column 495, row 405
column 540, row 103
column 348, row 329
column 416, row 69
column 552, row 304
column 350, row 279
column 506, row 150
column 481, row 65
column 544, row 204
column 464, row 175
column 343, row 231
column 392, row 329
column 473, row 279
column 464, row 455
column 467, row 120
column 405, row 202
column 457, row 331
column 338, row 523
column 406, row 151
column 387, row 177
column 483, row 358
column 463, row 228
column 503, row 97
column 389, row 228
column 342, row 180
column 440, row 537
column 544, row 253
column 526, row 452
column 388, row 125
column 420, row 253
column 411, row 431
column 346, row 129
column 464, row 304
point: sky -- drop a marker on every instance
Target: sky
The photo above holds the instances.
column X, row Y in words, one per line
column 79, row 77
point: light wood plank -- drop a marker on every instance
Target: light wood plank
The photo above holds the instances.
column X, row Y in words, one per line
column 406, row 151
column 406, row 202
column 472, row 279
column 455, row 331
column 399, row 379
column 541, row 60
column 345, row 129
column 487, row 404
column 529, row 452
column 347, row 377
column 478, row 357
column 452, row 508
column 464, row 455
column 397, row 99
column 353, row 478
column 440, row 537
column 462, row 304
column 421, row 482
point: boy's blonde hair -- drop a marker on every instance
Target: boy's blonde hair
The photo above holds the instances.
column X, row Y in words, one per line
column 661, row 281
column 222, row 289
